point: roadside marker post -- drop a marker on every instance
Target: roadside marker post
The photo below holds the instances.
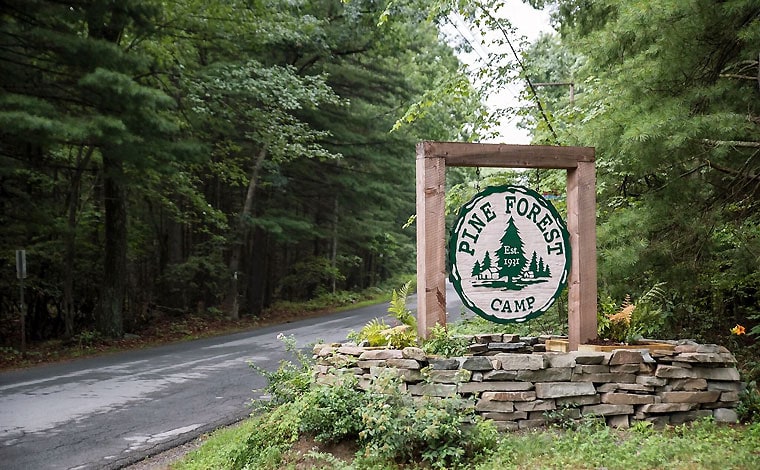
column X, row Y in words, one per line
column 21, row 275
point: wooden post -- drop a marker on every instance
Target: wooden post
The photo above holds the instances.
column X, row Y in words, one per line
column 431, row 246
column 581, row 223
column 432, row 159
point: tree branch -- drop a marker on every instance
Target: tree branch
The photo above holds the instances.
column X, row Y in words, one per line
column 731, row 171
column 732, row 143
column 737, row 76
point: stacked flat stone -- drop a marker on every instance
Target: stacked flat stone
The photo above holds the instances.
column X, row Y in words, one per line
column 530, row 389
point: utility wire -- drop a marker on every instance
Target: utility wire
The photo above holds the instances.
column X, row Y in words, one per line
column 504, row 32
column 466, row 39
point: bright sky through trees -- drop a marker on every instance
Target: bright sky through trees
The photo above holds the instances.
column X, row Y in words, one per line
column 529, row 23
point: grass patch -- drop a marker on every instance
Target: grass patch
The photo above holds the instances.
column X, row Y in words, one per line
column 218, row 447
column 700, row 445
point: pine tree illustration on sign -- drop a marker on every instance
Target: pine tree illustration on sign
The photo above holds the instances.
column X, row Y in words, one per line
column 511, row 263
column 511, row 256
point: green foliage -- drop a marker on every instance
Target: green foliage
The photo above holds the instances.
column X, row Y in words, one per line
column 397, row 306
column 443, row 433
column 378, row 333
column 221, row 447
column 388, row 424
column 442, row 342
column 308, row 277
column 290, row 380
column 9, row 354
column 264, row 442
column 334, row 413
column 264, row 447
column 337, row 301
column 748, row 408
column 633, row 321
column 431, row 431
column 87, row 339
column 200, row 278
column 247, row 143
column 374, row 333
column 677, row 197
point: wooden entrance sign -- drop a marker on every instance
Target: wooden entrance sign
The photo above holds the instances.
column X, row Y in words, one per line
column 432, row 159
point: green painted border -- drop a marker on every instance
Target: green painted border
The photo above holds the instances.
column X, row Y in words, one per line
column 454, row 275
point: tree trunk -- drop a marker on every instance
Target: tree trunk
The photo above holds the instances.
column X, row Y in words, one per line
column 232, row 303
column 70, row 244
column 110, row 321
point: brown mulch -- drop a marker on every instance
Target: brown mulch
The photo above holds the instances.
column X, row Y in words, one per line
column 299, row 454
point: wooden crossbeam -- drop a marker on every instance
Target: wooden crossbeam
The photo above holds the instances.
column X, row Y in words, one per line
column 432, row 160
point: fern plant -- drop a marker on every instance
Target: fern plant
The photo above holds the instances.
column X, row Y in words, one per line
column 633, row 320
column 397, row 307
column 378, row 333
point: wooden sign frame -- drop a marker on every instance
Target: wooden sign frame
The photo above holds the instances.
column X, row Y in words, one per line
column 432, row 160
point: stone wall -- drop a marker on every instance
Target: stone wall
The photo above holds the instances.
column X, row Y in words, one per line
column 528, row 388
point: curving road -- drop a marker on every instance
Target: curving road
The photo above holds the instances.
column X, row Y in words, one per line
column 111, row 411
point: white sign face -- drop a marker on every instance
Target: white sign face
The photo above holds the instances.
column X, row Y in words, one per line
column 509, row 253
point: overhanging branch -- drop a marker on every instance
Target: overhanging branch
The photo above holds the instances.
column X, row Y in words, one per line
column 732, row 143
column 731, row 171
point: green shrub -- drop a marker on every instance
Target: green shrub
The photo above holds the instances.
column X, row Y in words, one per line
column 442, row 342
column 87, row 339
column 333, row 413
column 290, row 380
column 389, row 425
column 748, row 408
column 274, row 433
column 442, row 433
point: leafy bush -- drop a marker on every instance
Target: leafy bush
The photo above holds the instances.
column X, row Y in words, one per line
column 334, row 413
column 87, row 339
column 291, row 380
column 442, row 342
column 389, row 425
column 443, row 433
column 749, row 404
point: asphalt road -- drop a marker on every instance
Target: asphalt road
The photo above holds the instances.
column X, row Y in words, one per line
column 112, row 411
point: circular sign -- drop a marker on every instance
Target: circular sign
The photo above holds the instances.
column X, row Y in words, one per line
column 509, row 253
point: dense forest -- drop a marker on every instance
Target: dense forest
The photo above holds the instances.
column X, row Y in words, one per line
column 668, row 93
column 194, row 155
column 201, row 155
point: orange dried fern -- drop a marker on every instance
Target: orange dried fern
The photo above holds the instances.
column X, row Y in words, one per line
column 624, row 314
